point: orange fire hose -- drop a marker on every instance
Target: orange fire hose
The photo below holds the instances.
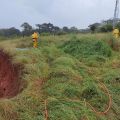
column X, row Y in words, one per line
column 46, row 111
column 87, row 103
column 109, row 104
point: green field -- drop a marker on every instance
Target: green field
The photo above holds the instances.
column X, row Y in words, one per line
column 65, row 71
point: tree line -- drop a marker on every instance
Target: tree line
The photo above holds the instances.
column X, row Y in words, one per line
column 45, row 29
column 104, row 26
column 49, row 28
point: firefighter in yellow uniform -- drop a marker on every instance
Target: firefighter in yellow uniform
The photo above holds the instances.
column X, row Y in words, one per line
column 116, row 33
column 35, row 39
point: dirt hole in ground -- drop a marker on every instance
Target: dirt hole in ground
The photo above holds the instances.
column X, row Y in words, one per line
column 10, row 83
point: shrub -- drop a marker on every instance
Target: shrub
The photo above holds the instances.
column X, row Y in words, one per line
column 81, row 48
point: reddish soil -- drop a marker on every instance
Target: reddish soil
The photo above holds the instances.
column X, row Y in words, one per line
column 9, row 77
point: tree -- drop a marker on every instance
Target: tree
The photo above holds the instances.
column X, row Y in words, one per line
column 47, row 28
column 26, row 26
column 118, row 25
column 10, row 32
column 66, row 29
column 27, row 29
column 94, row 26
column 106, row 28
column 103, row 29
column 55, row 30
column 74, row 30
column 13, row 31
column 109, row 27
column 39, row 28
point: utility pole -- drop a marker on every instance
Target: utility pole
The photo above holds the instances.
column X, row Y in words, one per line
column 116, row 13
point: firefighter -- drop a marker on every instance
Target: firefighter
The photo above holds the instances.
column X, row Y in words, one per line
column 35, row 39
column 116, row 33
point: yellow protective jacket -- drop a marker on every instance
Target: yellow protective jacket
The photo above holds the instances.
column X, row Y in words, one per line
column 34, row 36
column 115, row 31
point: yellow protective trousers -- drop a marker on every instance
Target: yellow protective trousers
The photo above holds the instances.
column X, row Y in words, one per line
column 35, row 43
column 116, row 36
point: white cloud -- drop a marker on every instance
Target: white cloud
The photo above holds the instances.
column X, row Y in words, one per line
column 78, row 13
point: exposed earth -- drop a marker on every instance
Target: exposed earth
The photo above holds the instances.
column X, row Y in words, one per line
column 9, row 77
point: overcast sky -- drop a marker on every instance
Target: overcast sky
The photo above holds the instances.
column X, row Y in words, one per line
column 79, row 13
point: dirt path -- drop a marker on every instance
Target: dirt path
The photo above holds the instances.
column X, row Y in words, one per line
column 9, row 77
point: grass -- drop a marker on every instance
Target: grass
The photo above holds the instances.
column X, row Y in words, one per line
column 64, row 70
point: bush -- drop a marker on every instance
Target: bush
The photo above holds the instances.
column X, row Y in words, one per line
column 86, row 48
column 106, row 28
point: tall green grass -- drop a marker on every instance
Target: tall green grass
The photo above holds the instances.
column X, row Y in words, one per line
column 64, row 70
